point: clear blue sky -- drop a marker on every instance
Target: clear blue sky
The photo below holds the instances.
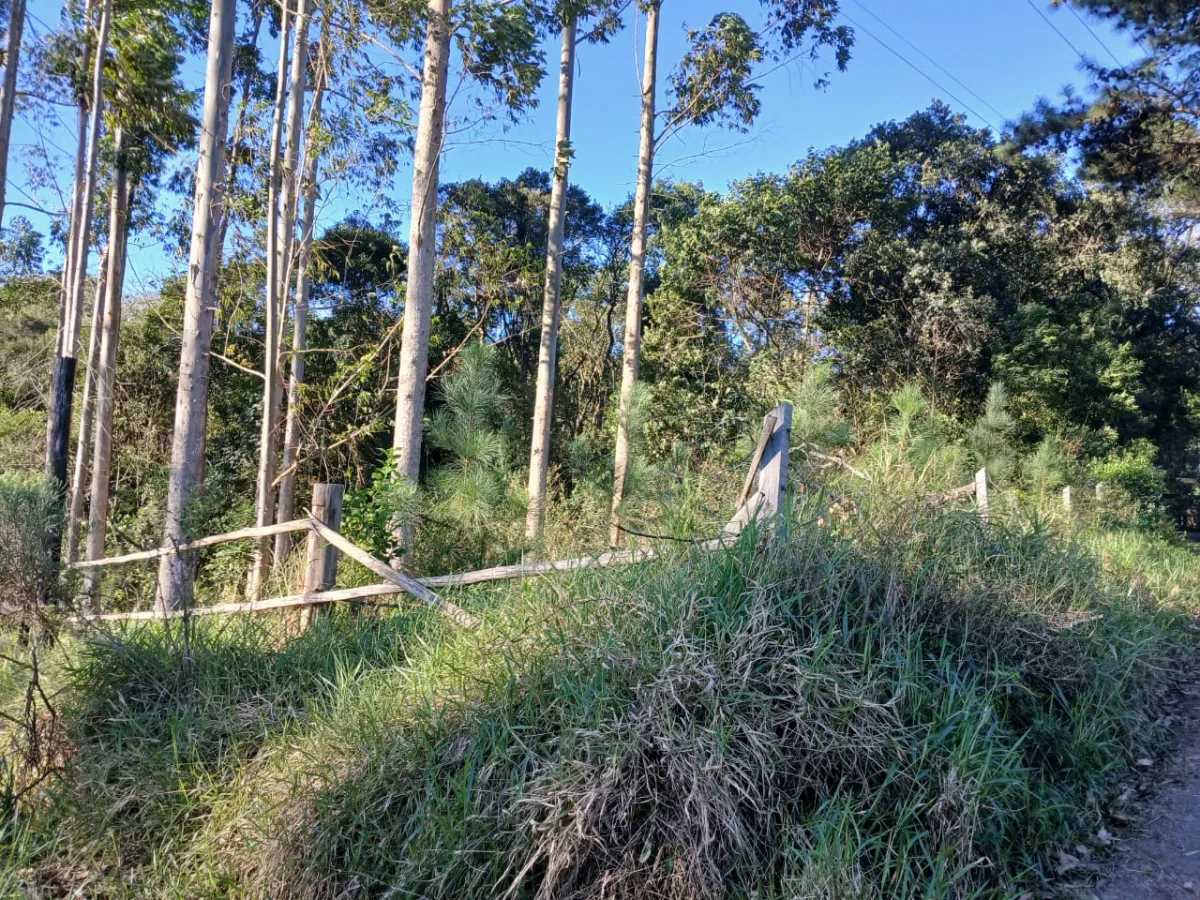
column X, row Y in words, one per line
column 1001, row 50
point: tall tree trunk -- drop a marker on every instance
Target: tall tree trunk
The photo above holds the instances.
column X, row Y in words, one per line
column 631, row 355
column 81, row 137
column 239, row 128
column 291, row 152
column 62, row 383
column 8, row 88
column 191, row 401
column 83, row 444
column 308, row 180
column 264, row 497
column 543, row 404
column 422, row 249
column 106, row 377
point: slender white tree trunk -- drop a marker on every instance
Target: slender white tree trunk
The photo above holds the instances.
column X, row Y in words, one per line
column 264, row 500
column 422, row 249
column 83, row 444
column 62, row 387
column 8, row 88
column 308, row 181
column 81, row 134
column 631, row 355
column 106, row 377
column 191, row 401
column 291, row 152
column 239, row 128
column 543, row 404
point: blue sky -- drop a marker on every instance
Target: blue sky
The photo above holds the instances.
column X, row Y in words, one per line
column 1004, row 53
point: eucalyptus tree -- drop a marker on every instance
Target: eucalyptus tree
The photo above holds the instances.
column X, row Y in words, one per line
column 280, row 237
column 711, row 85
column 8, row 87
column 191, row 403
column 62, row 379
column 150, row 113
column 497, row 44
column 313, row 142
column 566, row 16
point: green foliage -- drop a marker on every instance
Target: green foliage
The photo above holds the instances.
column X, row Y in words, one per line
column 1045, row 469
column 472, row 491
column 373, row 516
column 1133, row 470
column 30, row 514
column 817, row 420
column 867, row 716
column 1137, row 130
column 712, row 83
column 990, row 438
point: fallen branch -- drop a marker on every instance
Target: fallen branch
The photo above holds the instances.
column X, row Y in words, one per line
column 840, row 463
column 959, row 493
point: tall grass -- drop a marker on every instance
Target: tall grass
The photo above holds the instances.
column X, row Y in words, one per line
column 910, row 705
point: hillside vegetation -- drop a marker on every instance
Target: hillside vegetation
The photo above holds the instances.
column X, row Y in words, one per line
column 891, row 700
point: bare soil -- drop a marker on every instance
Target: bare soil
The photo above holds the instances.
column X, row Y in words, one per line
column 1158, row 858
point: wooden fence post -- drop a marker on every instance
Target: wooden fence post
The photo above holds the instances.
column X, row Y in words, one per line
column 320, row 570
column 981, row 494
column 768, row 469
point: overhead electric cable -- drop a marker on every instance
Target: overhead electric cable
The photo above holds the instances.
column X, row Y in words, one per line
column 933, row 61
column 1066, row 40
column 908, row 62
column 1084, row 22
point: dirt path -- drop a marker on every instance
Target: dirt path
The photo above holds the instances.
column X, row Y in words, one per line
column 1159, row 859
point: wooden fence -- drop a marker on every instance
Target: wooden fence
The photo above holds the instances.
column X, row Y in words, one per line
column 761, row 498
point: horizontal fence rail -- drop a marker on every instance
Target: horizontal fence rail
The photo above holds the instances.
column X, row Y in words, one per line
column 761, row 498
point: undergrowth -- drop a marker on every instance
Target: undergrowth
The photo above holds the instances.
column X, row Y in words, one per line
column 922, row 707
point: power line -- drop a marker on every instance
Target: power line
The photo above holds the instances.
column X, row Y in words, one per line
column 939, row 66
column 1045, row 18
column 904, row 59
column 1084, row 22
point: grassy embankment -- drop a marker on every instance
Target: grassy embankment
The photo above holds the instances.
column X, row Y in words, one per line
column 915, row 707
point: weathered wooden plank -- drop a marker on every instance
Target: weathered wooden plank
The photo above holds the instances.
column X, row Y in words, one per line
column 768, row 428
column 981, row 495
column 771, row 472
column 198, row 544
column 481, row 576
column 455, row 613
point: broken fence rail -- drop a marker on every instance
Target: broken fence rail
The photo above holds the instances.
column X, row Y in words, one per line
column 768, row 468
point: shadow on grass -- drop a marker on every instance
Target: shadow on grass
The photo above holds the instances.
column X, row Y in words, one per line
column 157, row 734
column 925, row 708
column 926, row 716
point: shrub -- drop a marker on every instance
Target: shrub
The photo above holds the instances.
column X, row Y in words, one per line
column 1133, row 470
column 30, row 517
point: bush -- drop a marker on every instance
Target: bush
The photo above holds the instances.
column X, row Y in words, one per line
column 30, row 518
column 1132, row 469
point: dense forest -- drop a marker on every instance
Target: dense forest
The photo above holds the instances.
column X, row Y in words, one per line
column 509, row 370
column 1055, row 261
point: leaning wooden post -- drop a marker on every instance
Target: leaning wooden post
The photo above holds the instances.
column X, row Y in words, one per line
column 768, row 468
column 981, row 494
column 320, row 569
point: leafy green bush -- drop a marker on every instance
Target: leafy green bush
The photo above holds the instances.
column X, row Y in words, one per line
column 1132, row 469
